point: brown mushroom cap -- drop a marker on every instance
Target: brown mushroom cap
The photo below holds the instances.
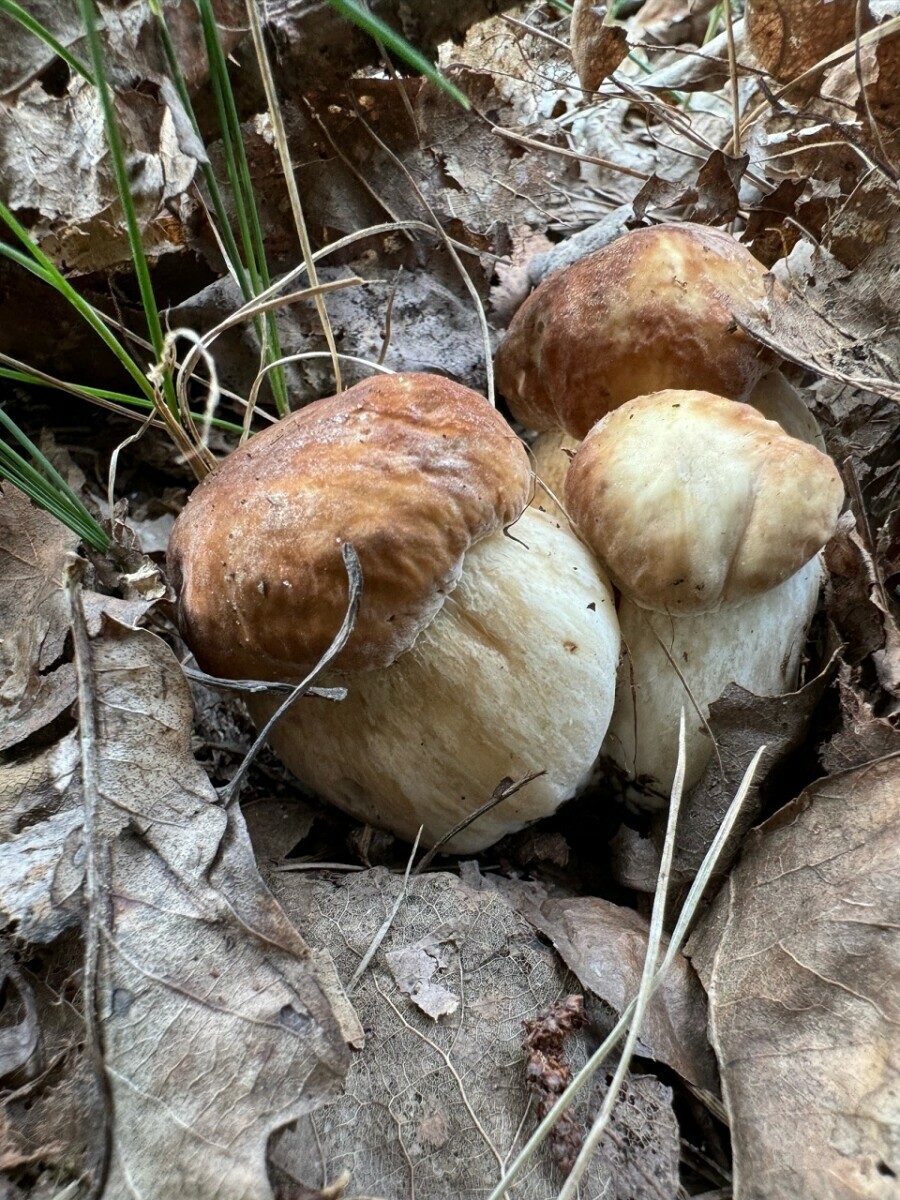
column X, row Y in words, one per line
column 652, row 310
column 693, row 501
column 412, row 469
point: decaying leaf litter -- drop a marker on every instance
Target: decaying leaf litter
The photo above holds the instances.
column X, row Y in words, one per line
column 174, row 1005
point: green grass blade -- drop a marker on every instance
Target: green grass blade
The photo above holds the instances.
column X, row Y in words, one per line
column 377, row 29
column 212, row 184
column 242, row 189
column 117, row 153
column 95, row 393
column 33, row 25
column 39, row 264
column 40, row 480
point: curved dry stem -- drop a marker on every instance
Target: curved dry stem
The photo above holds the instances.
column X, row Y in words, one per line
column 686, row 916
column 287, row 170
column 289, row 358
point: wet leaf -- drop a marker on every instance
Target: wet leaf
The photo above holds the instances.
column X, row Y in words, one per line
column 799, row 955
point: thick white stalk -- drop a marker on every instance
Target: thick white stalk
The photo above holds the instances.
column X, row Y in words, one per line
column 514, row 675
column 670, row 661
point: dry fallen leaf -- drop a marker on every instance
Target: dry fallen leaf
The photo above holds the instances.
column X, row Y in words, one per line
column 36, row 684
column 801, row 960
column 432, row 328
column 788, row 37
column 740, row 723
column 414, row 969
column 598, row 43
column 207, row 1021
column 860, row 607
column 862, row 736
column 67, row 194
column 605, row 946
column 45, row 1114
column 438, row 1105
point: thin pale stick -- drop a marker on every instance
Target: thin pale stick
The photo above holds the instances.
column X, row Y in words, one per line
column 645, row 988
column 355, row 582
column 599, row 1056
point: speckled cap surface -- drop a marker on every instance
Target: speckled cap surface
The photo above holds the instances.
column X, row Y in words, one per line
column 693, row 502
column 652, row 310
column 411, row 468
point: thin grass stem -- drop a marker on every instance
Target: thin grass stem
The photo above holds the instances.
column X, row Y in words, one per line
column 39, row 264
column 40, row 480
column 115, row 401
column 232, row 255
column 686, row 916
column 645, row 988
column 117, row 154
column 242, row 187
column 33, row 25
column 380, row 32
column 287, row 170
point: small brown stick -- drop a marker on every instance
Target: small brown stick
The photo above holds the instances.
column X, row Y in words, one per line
column 733, row 74
column 96, row 873
column 504, row 789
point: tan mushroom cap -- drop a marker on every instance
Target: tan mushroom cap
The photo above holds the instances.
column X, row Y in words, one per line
column 412, row 469
column 652, row 310
column 694, row 502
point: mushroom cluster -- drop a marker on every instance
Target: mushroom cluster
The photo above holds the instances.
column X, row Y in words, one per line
column 708, row 512
column 486, row 646
column 480, row 653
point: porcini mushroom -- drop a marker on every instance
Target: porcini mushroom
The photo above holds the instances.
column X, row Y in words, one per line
column 654, row 309
column 709, row 518
column 476, row 657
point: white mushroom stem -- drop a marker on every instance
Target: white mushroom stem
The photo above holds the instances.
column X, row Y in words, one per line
column 551, row 463
column 780, row 401
column 515, row 674
column 674, row 661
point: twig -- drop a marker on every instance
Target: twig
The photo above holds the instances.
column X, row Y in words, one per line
column 355, row 579
column 676, row 941
column 733, row 79
column 504, row 789
column 96, row 872
column 451, row 249
column 287, row 170
column 388, row 922
column 645, row 988
column 535, row 144
column 257, row 686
